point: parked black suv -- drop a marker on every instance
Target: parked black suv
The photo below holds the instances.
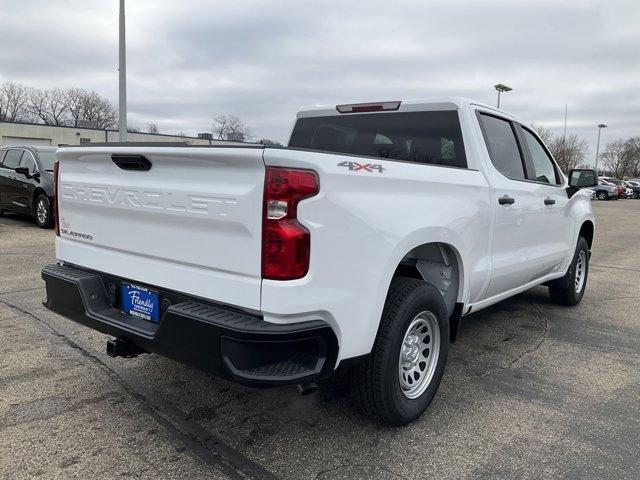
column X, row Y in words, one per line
column 26, row 182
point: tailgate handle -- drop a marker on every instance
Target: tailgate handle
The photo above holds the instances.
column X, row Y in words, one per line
column 131, row 162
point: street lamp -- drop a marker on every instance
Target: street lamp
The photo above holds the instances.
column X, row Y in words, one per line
column 600, row 127
column 501, row 88
column 122, row 74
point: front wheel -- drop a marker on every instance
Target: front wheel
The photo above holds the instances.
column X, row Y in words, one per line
column 569, row 289
column 398, row 381
column 602, row 195
column 43, row 211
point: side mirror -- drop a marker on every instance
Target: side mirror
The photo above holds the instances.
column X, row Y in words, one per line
column 582, row 178
column 23, row 171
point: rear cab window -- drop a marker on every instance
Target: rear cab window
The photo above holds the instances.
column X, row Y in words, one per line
column 433, row 138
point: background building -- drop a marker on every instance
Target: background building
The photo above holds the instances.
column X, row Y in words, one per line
column 13, row 133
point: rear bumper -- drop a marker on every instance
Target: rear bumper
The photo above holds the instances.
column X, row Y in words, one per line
column 217, row 339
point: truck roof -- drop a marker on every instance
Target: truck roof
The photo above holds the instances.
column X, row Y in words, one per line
column 426, row 104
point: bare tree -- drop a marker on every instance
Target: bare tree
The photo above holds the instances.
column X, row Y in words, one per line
column 152, row 127
column 544, row 133
column 49, row 106
column 617, row 157
column 633, row 147
column 231, row 127
column 88, row 105
column 133, row 129
column 13, row 100
column 569, row 151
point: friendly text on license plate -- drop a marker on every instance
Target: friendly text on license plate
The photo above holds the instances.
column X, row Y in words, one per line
column 140, row 302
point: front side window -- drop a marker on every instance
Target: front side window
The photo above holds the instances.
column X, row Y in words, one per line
column 422, row 137
column 12, row 158
column 543, row 169
column 28, row 161
column 503, row 147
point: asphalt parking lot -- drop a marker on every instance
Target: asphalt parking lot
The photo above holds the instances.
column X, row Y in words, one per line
column 532, row 390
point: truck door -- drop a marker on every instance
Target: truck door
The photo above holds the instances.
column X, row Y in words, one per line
column 555, row 226
column 516, row 247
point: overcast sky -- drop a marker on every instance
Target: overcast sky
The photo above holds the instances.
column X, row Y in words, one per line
column 190, row 60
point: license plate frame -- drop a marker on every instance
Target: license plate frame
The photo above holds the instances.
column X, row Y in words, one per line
column 140, row 302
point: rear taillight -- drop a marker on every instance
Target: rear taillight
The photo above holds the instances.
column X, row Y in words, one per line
column 56, row 217
column 285, row 241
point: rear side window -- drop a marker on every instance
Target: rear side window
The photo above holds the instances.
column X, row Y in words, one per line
column 503, row 147
column 12, row 158
column 422, row 137
column 543, row 169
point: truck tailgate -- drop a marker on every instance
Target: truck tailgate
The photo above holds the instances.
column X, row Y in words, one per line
column 191, row 223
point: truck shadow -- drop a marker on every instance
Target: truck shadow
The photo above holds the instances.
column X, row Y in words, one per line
column 247, row 418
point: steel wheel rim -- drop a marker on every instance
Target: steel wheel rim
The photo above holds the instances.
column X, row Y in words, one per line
column 41, row 211
column 419, row 354
column 581, row 270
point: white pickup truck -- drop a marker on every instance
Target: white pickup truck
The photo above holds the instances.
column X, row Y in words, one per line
column 362, row 245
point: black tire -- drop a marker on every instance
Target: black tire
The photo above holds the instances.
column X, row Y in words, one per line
column 602, row 195
column 375, row 382
column 564, row 291
column 44, row 219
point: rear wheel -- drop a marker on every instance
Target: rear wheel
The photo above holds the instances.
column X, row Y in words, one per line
column 602, row 195
column 398, row 381
column 569, row 289
column 43, row 211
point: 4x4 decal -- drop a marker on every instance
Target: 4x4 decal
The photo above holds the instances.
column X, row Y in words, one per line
column 367, row 167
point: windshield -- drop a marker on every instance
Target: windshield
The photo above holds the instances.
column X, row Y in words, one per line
column 46, row 160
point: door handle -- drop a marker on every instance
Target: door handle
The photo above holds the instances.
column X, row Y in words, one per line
column 549, row 201
column 506, row 200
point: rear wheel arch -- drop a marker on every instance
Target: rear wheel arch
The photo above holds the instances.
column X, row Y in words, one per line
column 439, row 264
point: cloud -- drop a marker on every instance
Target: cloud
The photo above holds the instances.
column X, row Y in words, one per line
column 262, row 60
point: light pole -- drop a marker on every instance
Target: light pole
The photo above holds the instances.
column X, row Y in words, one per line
column 122, row 73
column 501, row 88
column 600, row 127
